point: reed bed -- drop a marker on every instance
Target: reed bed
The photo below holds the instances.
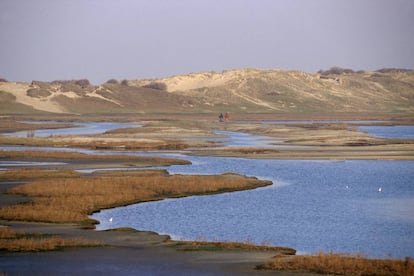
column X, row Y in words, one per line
column 340, row 264
column 73, row 199
column 14, row 241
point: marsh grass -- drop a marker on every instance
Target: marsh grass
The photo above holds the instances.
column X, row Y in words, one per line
column 73, row 199
column 96, row 143
column 130, row 145
column 340, row 264
column 251, row 150
column 20, row 141
column 218, row 246
column 61, row 155
column 14, row 241
column 29, row 173
column 13, row 125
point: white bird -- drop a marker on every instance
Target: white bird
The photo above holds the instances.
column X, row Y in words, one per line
column 110, row 219
column 379, row 189
column 347, row 187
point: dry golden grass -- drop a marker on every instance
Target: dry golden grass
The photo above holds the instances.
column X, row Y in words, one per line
column 13, row 125
column 73, row 199
column 129, row 145
column 13, row 241
column 59, row 155
column 95, row 144
column 250, row 150
column 34, row 154
column 28, row 173
column 339, row 264
column 204, row 245
column 35, row 141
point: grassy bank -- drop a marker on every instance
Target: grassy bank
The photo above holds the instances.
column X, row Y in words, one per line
column 17, row 241
column 339, row 264
column 58, row 155
column 29, row 173
column 8, row 124
column 101, row 142
column 218, row 246
column 73, row 199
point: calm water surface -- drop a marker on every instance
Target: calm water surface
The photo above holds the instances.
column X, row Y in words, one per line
column 401, row 132
column 313, row 205
column 81, row 129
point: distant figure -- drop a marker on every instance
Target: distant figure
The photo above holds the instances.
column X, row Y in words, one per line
column 226, row 116
column 221, row 117
column 110, row 219
column 379, row 190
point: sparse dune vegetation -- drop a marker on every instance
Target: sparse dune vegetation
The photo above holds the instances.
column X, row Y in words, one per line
column 335, row 90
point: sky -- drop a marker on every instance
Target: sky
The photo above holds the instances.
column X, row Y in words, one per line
column 134, row 39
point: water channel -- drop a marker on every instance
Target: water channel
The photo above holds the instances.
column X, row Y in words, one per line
column 80, row 128
column 312, row 205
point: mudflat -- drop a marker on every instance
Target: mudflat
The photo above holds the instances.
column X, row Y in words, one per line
column 127, row 253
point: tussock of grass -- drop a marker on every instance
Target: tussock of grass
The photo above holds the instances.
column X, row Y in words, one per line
column 339, row 264
column 73, row 199
column 13, row 241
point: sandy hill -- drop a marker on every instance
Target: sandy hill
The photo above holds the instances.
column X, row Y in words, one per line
column 242, row 90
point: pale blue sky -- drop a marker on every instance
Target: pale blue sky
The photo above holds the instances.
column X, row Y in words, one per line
column 127, row 39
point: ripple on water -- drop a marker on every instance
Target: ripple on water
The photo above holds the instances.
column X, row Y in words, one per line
column 323, row 205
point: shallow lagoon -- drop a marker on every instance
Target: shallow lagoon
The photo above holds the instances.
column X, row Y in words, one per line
column 313, row 205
